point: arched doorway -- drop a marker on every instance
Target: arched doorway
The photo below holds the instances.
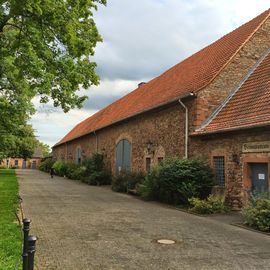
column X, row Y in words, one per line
column 123, row 152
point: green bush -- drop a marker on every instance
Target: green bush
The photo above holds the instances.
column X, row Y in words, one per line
column 257, row 214
column 126, row 180
column 95, row 172
column 212, row 205
column 46, row 165
column 175, row 181
column 98, row 178
column 77, row 173
column 70, row 169
column 95, row 163
column 60, row 168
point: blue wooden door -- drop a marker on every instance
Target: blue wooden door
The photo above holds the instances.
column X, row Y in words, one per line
column 259, row 172
column 123, row 152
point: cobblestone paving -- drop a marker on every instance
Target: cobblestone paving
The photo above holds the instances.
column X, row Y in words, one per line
column 82, row 227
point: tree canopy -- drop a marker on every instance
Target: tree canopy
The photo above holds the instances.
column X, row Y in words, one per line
column 45, row 51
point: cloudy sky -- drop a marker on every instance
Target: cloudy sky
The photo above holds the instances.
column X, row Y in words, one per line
column 142, row 39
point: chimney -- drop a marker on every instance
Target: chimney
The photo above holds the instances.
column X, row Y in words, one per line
column 141, row 84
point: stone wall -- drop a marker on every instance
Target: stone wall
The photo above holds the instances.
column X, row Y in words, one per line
column 209, row 98
column 229, row 145
column 163, row 128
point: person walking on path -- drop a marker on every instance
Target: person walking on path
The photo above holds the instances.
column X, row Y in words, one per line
column 52, row 172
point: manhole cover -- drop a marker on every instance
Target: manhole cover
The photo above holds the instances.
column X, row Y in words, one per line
column 166, row 241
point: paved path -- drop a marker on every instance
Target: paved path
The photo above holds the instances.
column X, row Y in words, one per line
column 82, row 227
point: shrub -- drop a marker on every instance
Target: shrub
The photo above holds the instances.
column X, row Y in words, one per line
column 60, row 168
column 77, row 173
column 71, row 168
column 149, row 189
column 257, row 214
column 127, row 179
column 176, row 180
column 95, row 172
column 95, row 163
column 46, row 165
column 98, row 178
column 212, row 205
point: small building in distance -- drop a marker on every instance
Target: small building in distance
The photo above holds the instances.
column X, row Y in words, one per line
column 21, row 163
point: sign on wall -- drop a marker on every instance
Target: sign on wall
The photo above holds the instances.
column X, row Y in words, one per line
column 254, row 147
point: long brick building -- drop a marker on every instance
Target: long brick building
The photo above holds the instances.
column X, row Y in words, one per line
column 214, row 104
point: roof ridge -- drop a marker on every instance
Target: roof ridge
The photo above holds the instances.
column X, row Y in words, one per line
column 232, row 93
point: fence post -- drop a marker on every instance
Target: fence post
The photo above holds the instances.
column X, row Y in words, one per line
column 26, row 228
column 31, row 251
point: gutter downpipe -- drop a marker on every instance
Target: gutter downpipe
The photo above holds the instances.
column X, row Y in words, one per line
column 186, row 125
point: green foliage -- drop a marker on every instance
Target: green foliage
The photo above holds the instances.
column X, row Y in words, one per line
column 46, row 165
column 45, row 53
column 98, row 178
column 94, row 163
column 212, row 205
column 76, row 172
column 127, row 180
column 176, row 180
column 45, row 50
column 19, row 141
column 96, row 173
column 60, row 168
column 10, row 238
column 92, row 171
column 46, row 149
column 257, row 214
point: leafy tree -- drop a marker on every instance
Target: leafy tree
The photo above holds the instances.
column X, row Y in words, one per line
column 19, row 143
column 46, row 149
column 45, row 50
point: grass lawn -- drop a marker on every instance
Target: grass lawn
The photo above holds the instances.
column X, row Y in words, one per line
column 10, row 236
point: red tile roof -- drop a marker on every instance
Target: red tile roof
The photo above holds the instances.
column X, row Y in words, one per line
column 248, row 106
column 190, row 75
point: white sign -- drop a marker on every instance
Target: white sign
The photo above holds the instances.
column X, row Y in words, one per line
column 261, row 176
column 254, row 147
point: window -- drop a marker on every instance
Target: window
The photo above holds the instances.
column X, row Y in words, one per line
column 219, row 170
column 160, row 159
column 79, row 155
column 16, row 162
column 148, row 164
